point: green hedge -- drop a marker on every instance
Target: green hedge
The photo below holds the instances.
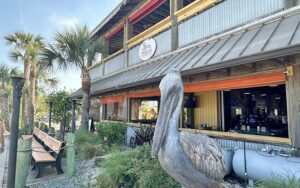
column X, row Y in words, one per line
column 88, row 145
column 112, row 133
column 134, row 169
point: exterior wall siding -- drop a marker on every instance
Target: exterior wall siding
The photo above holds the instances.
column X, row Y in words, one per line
column 225, row 15
column 207, row 109
column 96, row 72
column 114, row 64
column 133, row 55
column 163, row 41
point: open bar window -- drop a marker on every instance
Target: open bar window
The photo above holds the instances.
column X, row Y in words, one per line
column 144, row 110
column 259, row 111
column 114, row 111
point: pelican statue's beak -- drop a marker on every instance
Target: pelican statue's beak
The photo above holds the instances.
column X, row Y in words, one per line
column 160, row 127
column 169, row 89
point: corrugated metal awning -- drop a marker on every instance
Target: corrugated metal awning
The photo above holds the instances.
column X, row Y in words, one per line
column 275, row 36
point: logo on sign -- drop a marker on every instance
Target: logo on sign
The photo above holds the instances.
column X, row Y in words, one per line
column 147, row 49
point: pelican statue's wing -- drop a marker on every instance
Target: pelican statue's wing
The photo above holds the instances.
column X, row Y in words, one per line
column 205, row 154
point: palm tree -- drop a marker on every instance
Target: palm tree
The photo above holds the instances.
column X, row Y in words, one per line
column 74, row 48
column 6, row 93
column 35, row 49
column 20, row 42
column 26, row 48
column 4, row 75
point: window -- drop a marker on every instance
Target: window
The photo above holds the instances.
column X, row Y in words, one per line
column 144, row 110
column 114, row 111
column 260, row 111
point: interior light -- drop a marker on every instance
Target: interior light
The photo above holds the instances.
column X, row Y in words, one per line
column 263, row 95
column 247, row 93
column 277, row 98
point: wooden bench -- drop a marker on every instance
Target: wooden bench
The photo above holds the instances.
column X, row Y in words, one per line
column 46, row 151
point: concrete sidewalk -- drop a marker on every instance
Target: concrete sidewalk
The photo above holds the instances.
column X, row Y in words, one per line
column 4, row 163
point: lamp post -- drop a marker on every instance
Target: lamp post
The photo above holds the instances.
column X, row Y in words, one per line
column 64, row 123
column 50, row 113
column 18, row 84
column 74, row 105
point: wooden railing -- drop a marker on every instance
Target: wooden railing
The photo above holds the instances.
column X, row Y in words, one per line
column 184, row 13
column 193, row 8
column 150, row 32
column 107, row 58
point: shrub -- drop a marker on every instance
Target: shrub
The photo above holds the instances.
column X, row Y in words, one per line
column 143, row 135
column 51, row 131
column 89, row 145
column 134, row 169
column 44, row 127
column 88, row 151
column 58, row 135
column 117, row 171
column 112, row 133
column 290, row 181
column 81, row 136
column 26, row 130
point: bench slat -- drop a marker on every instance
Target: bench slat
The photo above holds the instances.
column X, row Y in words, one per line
column 36, row 131
column 53, row 144
column 42, row 157
column 42, row 135
column 40, row 154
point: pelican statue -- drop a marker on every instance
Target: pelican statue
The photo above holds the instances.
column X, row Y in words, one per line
column 195, row 161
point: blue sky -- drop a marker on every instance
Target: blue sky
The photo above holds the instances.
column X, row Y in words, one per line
column 45, row 17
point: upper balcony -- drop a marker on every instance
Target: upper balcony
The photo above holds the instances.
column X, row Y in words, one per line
column 195, row 20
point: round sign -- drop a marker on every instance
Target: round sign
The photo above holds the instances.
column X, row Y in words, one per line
column 147, row 49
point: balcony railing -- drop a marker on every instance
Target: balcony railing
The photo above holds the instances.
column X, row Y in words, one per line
column 194, row 25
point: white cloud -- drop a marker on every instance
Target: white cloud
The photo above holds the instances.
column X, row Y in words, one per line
column 63, row 22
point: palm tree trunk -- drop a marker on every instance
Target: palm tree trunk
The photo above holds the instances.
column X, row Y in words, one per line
column 31, row 98
column 86, row 85
column 24, row 94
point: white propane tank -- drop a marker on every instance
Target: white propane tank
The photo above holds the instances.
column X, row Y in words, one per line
column 228, row 156
column 262, row 166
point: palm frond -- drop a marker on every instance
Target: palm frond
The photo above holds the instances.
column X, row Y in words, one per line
column 96, row 46
column 10, row 39
column 14, row 71
column 16, row 55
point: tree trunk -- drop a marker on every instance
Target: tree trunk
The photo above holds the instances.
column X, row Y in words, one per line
column 24, row 95
column 86, row 85
column 31, row 98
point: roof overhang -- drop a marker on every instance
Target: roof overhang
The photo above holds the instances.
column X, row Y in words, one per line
column 275, row 36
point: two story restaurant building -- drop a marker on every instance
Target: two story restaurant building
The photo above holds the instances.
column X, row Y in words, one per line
column 239, row 61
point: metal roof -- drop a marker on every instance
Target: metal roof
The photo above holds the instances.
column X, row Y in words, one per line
column 275, row 36
column 115, row 16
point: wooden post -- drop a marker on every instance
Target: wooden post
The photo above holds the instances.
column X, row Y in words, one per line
column 128, row 33
column 70, row 154
column 50, row 113
column 175, row 5
column 293, row 106
column 23, row 162
column 125, row 110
